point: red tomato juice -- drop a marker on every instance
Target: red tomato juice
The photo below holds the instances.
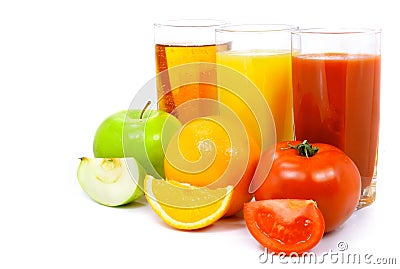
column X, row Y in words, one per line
column 336, row 101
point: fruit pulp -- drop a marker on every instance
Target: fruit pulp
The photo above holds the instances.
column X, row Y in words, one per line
column 336, row 101
column 171, row 100
column 186, row 207
column 270, row 71
column 111, row 181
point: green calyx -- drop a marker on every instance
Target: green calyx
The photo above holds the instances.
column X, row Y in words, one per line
column 305, row 149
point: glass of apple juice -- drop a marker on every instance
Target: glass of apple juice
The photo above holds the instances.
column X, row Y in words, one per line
column 186, row 84
column 336, row 94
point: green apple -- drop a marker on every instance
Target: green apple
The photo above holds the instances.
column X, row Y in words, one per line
column 142, row 134
column 111, row 181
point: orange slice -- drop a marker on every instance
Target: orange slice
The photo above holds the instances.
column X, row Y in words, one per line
column 186, row 207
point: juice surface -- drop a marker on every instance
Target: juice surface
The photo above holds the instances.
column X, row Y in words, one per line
column 270, row 71
column 336, row 101
column 169, row 56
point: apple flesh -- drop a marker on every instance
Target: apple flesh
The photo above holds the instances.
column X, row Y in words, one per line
column 141, row 134
column 111, row 181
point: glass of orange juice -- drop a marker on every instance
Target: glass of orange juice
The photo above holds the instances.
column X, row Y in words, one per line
column 336, row 86
column 262, row 53
column 179, row 44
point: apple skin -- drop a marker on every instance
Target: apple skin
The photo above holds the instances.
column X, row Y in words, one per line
column 124, row 134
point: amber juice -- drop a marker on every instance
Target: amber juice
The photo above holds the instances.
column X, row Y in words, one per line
column 171, row 99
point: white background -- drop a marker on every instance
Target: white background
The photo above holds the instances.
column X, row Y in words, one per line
column 66, row 65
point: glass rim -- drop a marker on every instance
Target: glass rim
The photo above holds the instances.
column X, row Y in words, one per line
column 188, row 23
column 338, row 31
column 255, row 28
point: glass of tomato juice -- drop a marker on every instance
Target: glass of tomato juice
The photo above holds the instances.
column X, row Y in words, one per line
column 180, row 46
column 336, row 94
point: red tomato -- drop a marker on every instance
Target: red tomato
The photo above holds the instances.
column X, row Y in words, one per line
column 329, row 177
column 285, row 225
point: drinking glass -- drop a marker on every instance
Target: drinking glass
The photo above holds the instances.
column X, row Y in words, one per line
column 336, row 95
column 178, row 43
column 262, row 53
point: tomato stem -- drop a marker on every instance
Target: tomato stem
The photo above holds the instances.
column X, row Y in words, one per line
column 305, row 149
column 144, row 109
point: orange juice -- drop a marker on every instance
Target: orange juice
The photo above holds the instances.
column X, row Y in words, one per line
column 270, row 71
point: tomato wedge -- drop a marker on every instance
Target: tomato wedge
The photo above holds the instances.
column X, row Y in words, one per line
column 285, row 225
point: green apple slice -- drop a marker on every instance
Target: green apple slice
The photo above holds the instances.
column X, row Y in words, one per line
column 111, row 181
